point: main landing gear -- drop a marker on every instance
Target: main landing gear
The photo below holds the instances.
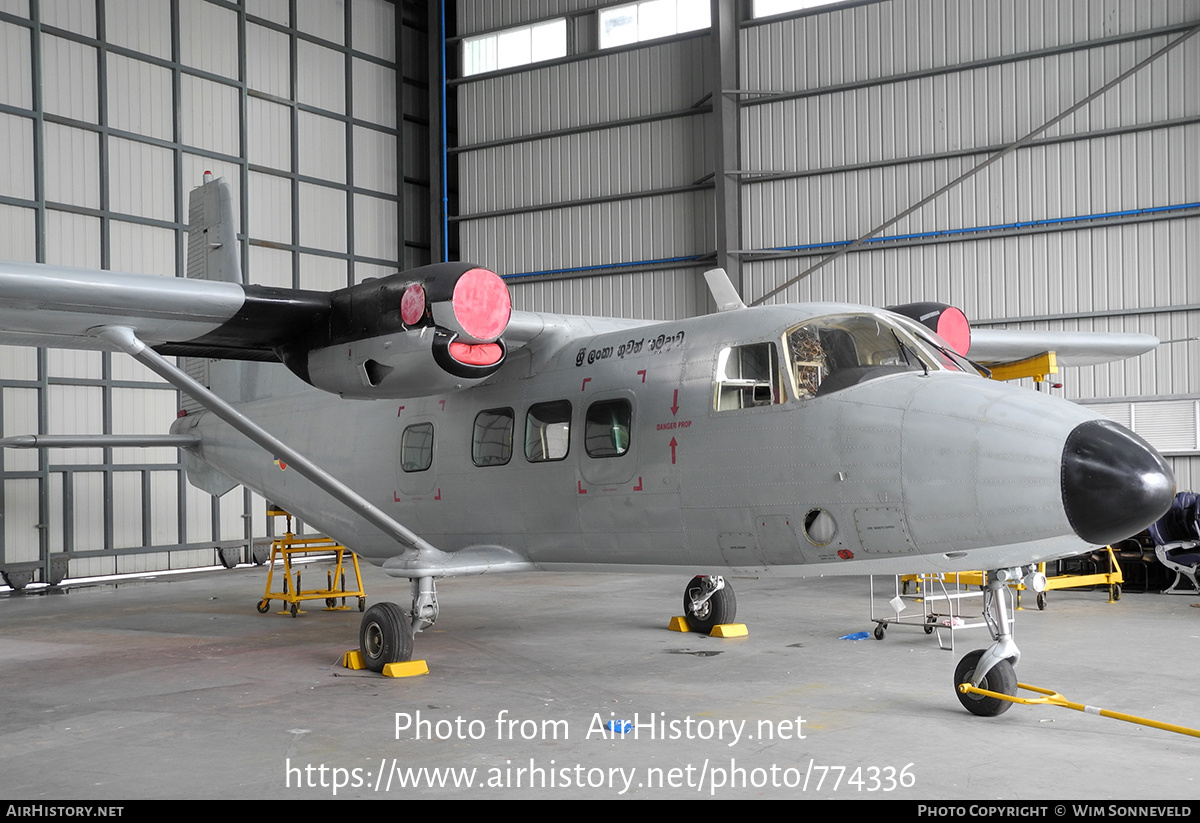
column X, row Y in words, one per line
column 708, row 601
column 387, row 631
column 993, row 668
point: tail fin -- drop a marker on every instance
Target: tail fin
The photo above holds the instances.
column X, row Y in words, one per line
column 212, row 233
column 212, row 255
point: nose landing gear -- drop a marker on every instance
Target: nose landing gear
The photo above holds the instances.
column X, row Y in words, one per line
column 993, row 668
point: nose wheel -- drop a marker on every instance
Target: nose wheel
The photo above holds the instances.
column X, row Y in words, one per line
column 993, row 668
column 1001, row 678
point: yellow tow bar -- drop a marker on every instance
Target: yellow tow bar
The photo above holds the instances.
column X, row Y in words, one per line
column 1053, row 698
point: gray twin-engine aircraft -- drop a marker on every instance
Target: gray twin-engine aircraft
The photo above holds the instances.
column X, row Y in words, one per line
column 795, row 440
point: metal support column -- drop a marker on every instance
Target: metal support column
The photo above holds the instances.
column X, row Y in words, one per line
column 723, row 79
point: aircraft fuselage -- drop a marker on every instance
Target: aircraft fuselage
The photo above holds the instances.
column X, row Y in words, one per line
column 681, row 445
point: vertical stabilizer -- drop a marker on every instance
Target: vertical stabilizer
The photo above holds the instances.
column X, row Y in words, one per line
column 212, row 255
column 212, row 233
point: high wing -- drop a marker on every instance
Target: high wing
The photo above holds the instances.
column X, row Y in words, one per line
column 58, row 306
column 994, row 347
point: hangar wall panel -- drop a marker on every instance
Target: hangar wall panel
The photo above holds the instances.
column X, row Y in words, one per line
column 475, row 17
column 130, row 109
column 669, row 294
column 606, row 86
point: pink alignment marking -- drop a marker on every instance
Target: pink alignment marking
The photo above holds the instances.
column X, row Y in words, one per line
column 412, row 304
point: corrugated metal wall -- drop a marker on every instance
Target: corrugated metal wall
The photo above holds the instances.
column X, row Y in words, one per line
column 846, row 117
column 582, row 166
column 110, row 111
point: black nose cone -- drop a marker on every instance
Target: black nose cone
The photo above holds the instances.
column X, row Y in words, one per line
column 1114, row 483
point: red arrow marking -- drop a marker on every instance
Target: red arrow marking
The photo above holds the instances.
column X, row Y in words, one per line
column 399, row 410
column 638, row 487
column 583, row 385
column 579, row 485
column 443, row 402
column 396, row 499
column 438, row 496
column 675, row 402
column 673, row 445
column 642, row 372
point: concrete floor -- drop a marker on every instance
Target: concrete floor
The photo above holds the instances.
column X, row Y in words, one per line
column 178, row 688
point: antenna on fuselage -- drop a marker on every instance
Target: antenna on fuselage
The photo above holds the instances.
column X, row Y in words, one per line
column 722, row 290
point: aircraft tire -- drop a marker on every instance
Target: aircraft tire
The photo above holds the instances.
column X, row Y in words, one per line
column 385, row 636
column 1002, row 678
column 720, row 608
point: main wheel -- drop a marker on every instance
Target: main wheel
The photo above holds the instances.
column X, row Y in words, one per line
column 385, row 636
column 718, row 609
column 1002, row 679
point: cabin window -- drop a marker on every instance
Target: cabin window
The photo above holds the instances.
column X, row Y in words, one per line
column 416, row 447
column 747, row 376
column 606, row 429
column 492, row 442
column 548, row 431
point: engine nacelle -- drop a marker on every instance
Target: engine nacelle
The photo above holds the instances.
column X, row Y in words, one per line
column 948, row 322
column 422, row 332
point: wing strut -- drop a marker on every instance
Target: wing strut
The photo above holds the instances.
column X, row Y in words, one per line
column 124, row 339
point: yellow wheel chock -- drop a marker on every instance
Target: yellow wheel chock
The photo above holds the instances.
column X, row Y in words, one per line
column 1053, row 698
column 680, row 624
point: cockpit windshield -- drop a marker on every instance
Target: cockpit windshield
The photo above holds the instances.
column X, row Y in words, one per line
column 839, row 351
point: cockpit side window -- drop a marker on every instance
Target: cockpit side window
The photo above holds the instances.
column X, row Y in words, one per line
column 748, row 376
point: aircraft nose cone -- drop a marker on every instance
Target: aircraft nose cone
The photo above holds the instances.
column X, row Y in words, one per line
column 1114, row 483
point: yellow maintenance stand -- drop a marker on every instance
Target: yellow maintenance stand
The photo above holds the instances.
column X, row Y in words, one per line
column 1113, row 578
column 293, row 593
